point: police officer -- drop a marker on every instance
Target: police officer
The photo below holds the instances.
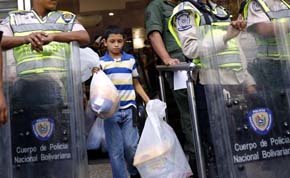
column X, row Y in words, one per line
column 3, row 107
column 158, row 13
column 207, row 36
column 39, row 39
column 185, row 21
column 259, row 15
column 268, row 21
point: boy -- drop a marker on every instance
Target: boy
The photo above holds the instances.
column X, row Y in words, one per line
column 121, row 135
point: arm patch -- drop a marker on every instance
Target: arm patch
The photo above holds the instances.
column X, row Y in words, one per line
column 183, row 21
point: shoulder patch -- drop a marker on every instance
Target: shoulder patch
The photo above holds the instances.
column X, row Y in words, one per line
column 67, row 16
column 183, row 21
column 256, row 6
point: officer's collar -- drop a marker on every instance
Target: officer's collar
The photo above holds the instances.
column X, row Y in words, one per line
column 40, row 17
column 211, row 4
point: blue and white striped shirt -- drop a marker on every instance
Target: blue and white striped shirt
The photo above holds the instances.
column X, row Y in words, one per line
column 121, row 73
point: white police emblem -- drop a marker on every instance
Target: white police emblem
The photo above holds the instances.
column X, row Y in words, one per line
column 43, row 128
column 261, row 120
column 183, row 21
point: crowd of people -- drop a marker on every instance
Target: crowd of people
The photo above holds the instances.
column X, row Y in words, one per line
column 194, row 31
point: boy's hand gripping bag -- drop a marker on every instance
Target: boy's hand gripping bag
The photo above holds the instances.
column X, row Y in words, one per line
column 159, row 153
column 104, row 97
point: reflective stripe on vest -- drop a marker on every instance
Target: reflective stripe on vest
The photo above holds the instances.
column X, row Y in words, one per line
column 269, row 48
column 53, row 56
column 228, row 58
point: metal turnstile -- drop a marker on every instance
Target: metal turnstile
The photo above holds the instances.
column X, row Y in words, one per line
column 190, row 68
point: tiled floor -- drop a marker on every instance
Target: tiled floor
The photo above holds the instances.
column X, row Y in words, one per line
column 100, row 169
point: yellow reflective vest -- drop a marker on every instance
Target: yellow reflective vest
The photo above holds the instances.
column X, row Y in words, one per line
column 268, row 47
column 53, row 56
column 227, row 58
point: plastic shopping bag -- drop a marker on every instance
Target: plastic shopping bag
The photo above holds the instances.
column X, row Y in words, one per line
column 159, row 153
column 104, row 97
column 89, row 59
column 96, row 135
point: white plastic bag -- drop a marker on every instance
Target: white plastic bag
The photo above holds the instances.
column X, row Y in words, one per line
column 104, row 97
column 89, row 59
column 96, row 135
column 159, row 153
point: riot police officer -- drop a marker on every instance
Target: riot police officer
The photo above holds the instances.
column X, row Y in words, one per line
column 207, row 36
column 267, row 21
column 40, row 100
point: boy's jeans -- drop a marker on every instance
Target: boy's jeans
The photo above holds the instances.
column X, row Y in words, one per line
column 122, row 139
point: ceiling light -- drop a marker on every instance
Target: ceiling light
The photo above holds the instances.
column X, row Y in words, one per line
column 111, row 14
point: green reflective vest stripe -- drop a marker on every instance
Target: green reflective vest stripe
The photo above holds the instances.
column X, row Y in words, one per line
column 29, row 66
column 228, row 58
column 53, row 56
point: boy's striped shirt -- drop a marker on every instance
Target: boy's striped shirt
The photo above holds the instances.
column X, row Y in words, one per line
column 121, row 73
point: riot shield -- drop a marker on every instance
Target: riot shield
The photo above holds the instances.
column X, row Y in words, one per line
column 247, row 104
column 5, row 150
column 46, row 129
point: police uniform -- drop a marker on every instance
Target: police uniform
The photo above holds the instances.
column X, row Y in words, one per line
column 158, row 13
column 269, row 69
column 268, row 58
column 256, row 13
column 193, row 47
column 38, row 91
column 227, row 76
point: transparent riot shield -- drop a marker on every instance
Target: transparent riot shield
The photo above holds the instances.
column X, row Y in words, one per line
column 46, row 132
column 5, row 150
column 247, row 104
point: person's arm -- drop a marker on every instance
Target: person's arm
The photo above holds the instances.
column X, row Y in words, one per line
column 140, row 91
column 38, row 39
column 258, row 22
column 154, row 23
column 78, row 34
column 194, row 46
column 82, row 37
column 3, row 106
column 159, row 48
column 187, row 34
column 35, row 39
column 234, row 29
